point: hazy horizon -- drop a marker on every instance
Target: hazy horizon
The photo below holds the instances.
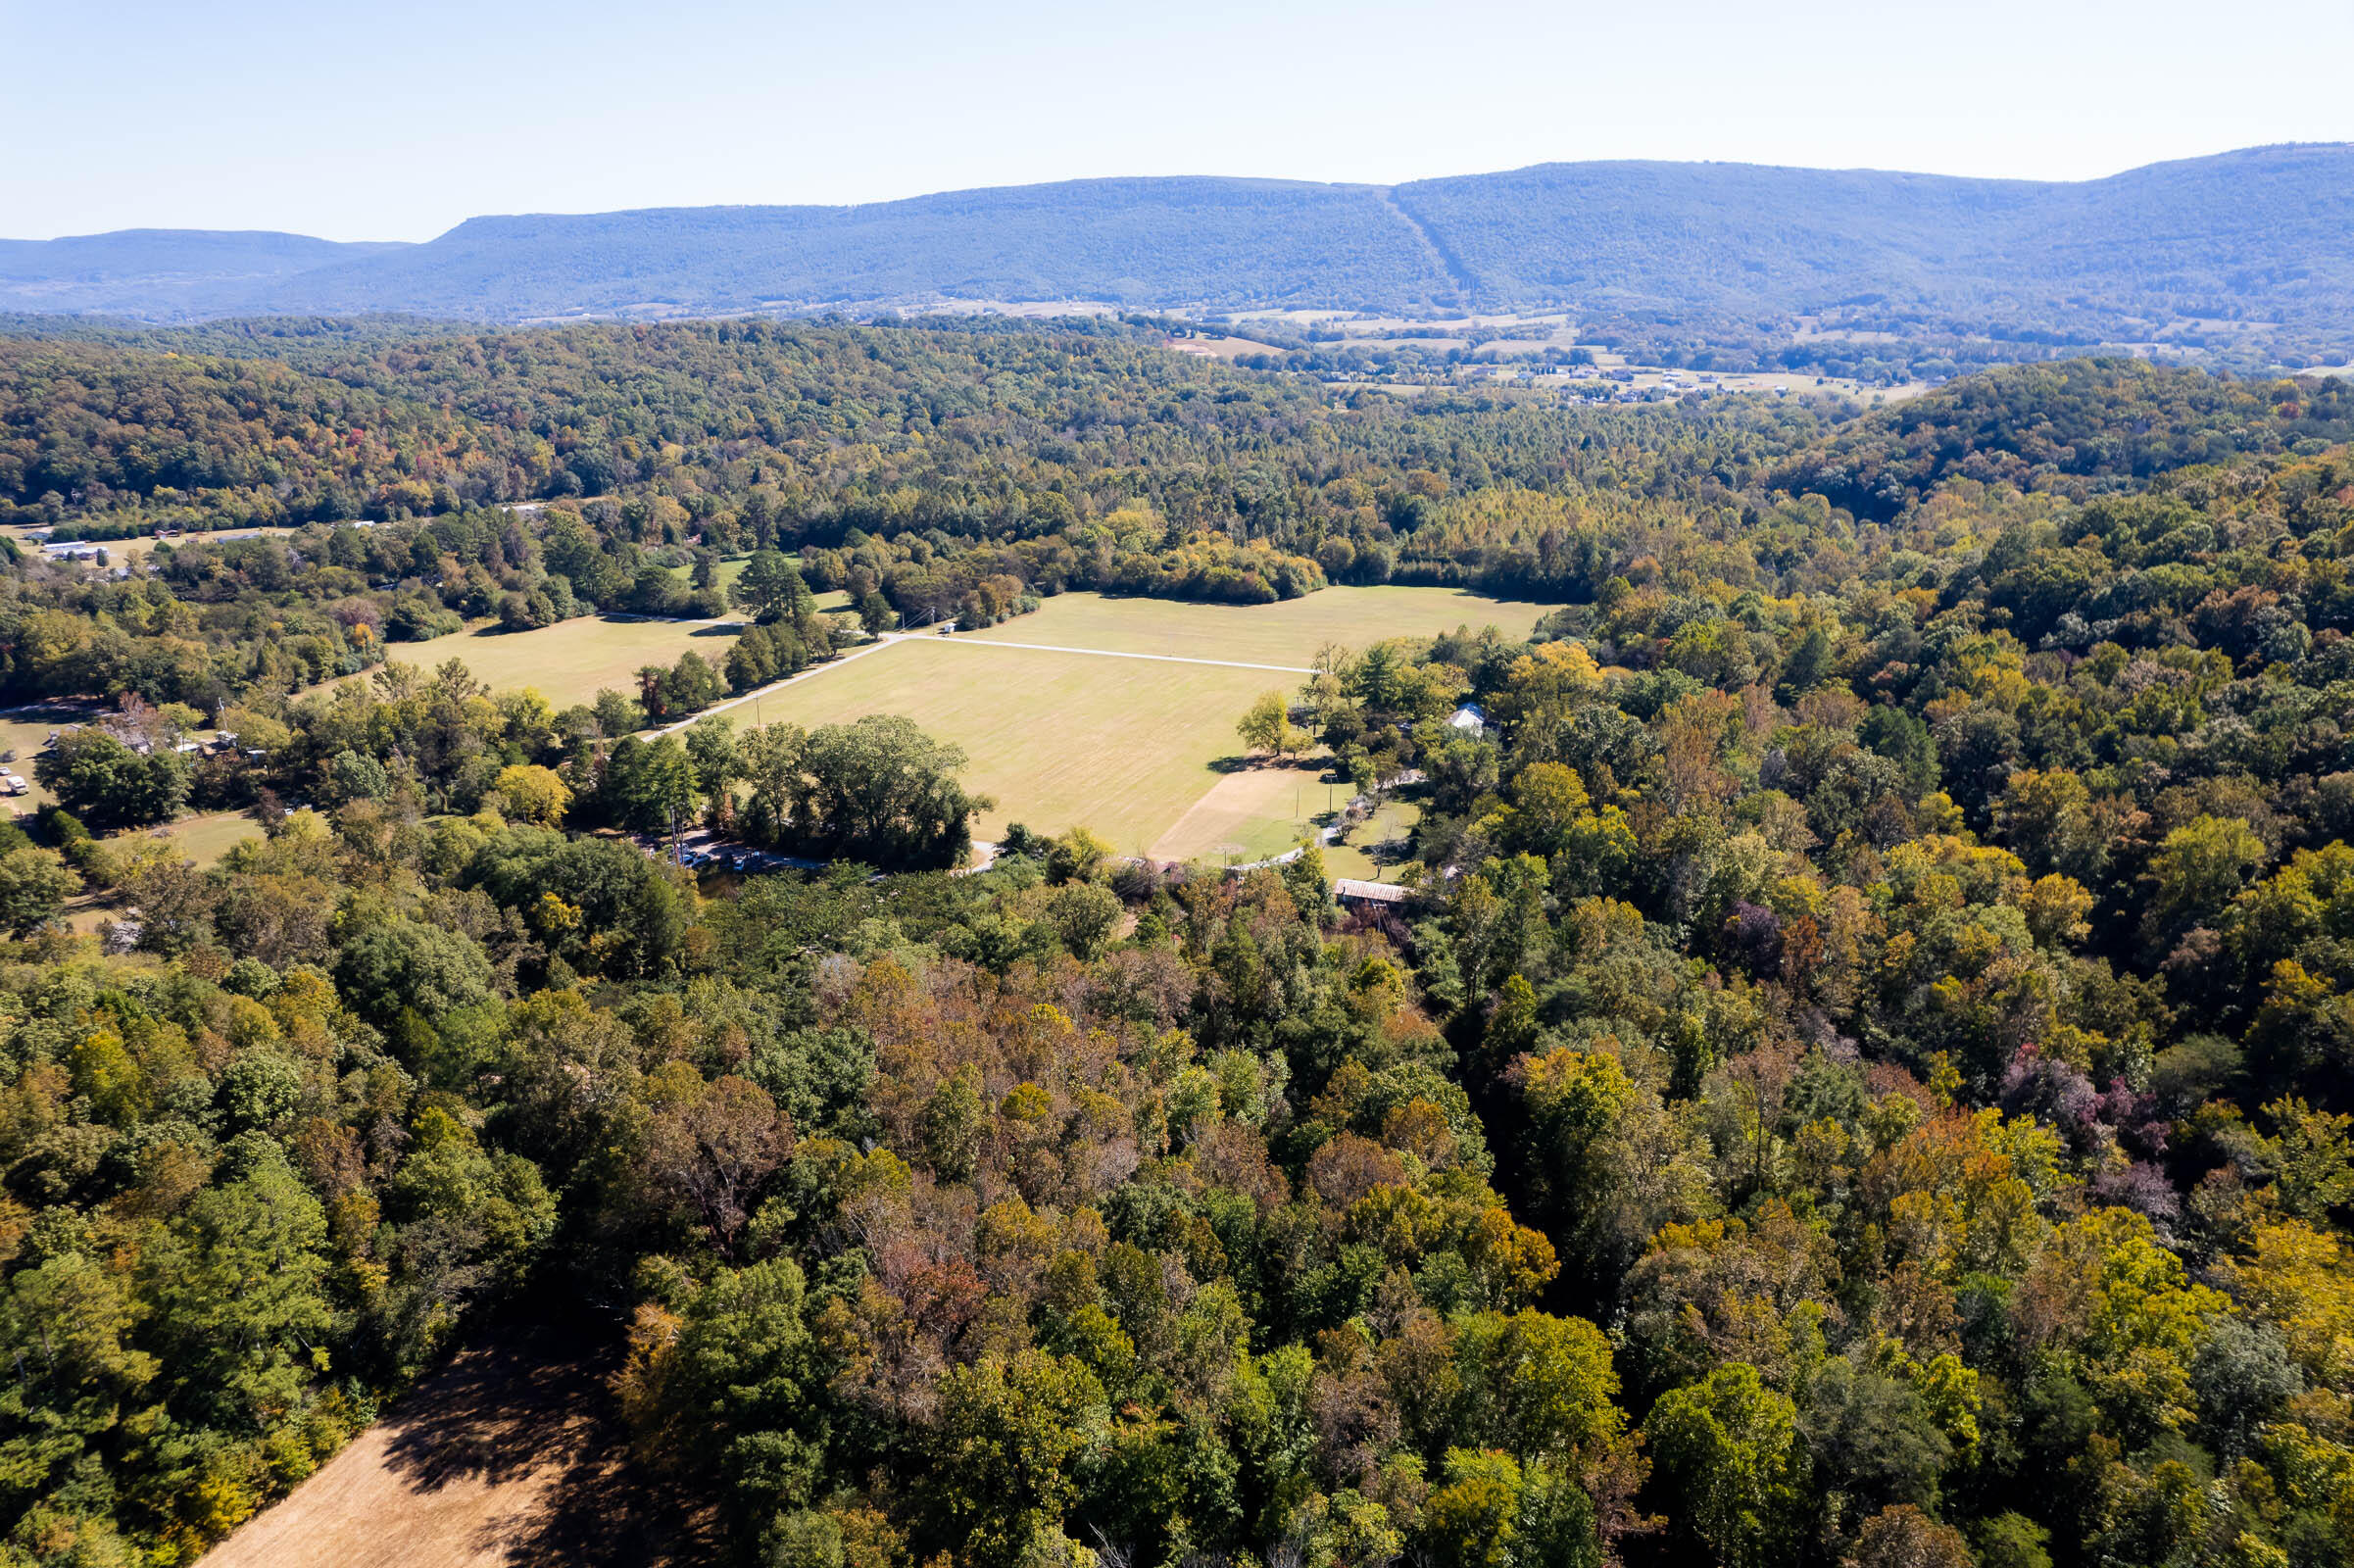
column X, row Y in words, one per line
column 265, row 115
column 884, row 201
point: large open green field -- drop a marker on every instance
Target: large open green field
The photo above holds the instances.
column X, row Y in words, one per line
column 572, row 660
column 1287, row 633
column 1120, row 746
column 1140, row 750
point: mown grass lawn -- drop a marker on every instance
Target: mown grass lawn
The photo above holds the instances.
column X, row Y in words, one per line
column 207, row 835
column 1251, row 814
column 1376, row 850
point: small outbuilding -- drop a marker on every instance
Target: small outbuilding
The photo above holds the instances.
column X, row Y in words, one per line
column 1352, row 894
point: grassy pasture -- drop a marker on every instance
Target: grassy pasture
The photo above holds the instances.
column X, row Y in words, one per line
column 1120, row 746
column 206, row 838
column 202, row 838
column 1222, row 348
column 141, row 546
column 1129, row 748
column 1288, row 633
column 1251, row 813
column 730, row 568
column 572, row 660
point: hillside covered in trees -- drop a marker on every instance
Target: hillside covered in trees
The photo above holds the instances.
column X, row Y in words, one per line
column 2243, row 242
column 1865, row 1074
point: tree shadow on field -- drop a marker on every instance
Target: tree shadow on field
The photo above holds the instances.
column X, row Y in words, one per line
column 534, row 1405
column 1261, row 761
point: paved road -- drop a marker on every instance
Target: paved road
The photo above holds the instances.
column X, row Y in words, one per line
column 933, row 640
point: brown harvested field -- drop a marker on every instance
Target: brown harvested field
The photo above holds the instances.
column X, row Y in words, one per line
column 512, row 1455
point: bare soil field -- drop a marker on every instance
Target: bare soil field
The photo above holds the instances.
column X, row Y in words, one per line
column 512, row 1455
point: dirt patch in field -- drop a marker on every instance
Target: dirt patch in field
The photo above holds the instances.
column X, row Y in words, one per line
column 512, row 1455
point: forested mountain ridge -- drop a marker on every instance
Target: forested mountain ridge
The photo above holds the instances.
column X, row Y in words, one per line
column 2227, row 237
column 2246, row 236
column 159, row 272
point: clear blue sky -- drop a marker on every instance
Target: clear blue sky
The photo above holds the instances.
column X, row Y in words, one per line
column 394, row 122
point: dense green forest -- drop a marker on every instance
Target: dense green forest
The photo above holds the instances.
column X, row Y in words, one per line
column 1865, row 1076
column 926, row 473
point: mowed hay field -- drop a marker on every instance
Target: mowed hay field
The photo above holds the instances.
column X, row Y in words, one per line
column 1119, row 745
column 1251, row 814
column 1288, row 633
column 571, row 661
column 1127, row 747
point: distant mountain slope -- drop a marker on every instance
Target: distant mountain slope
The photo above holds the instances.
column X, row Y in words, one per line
column 160, row 271
column 1709, row 234
column 1135, row 241
column 2249, row 236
